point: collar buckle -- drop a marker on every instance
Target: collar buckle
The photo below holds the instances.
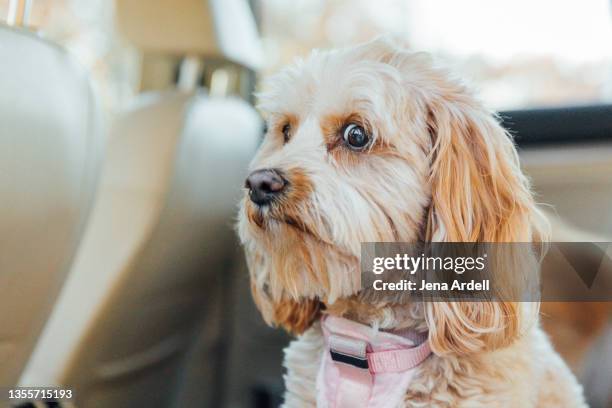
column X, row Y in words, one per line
column 348, row 350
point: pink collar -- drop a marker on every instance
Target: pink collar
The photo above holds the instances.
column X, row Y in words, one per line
column 364, row 367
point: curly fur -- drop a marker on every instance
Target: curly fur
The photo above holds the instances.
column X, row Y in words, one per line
column 440, row 168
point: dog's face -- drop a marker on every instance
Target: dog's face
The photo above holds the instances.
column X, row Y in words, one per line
column 348, row 164
column 368, row 144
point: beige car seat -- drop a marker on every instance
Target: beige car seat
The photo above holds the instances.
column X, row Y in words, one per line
column 154, row 255
column 50, row 150
column 149, row 280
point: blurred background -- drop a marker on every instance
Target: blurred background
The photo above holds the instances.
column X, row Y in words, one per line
column 127, row 129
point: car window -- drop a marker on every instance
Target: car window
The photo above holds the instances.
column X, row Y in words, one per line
column 518, row 53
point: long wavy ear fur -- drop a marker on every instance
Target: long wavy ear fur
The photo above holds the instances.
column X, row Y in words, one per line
column 479, row 194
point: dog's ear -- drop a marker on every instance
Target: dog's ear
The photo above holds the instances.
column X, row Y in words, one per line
column 478, row 194
column 292, row 315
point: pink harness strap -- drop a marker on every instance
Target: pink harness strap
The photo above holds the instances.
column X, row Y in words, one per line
column 395, row 361
column 363, row 367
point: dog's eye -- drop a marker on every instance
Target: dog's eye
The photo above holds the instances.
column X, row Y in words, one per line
column 355, row 137
column 286, row 132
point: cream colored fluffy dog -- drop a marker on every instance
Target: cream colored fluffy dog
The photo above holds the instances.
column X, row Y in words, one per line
column 375, row 143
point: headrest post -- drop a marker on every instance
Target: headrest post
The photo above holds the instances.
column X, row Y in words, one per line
column 190, row 72
column 19, row 13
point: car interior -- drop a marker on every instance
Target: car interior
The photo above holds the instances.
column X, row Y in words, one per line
column 121, row 275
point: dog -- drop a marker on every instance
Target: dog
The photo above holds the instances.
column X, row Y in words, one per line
column 375, row 143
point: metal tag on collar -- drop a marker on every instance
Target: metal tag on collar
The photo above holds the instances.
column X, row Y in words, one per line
column 348, row 350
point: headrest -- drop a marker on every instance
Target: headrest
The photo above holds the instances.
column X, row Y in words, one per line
column 50, row 150
column 212, row 28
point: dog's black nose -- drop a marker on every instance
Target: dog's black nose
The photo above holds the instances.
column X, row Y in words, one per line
column 264, row 185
